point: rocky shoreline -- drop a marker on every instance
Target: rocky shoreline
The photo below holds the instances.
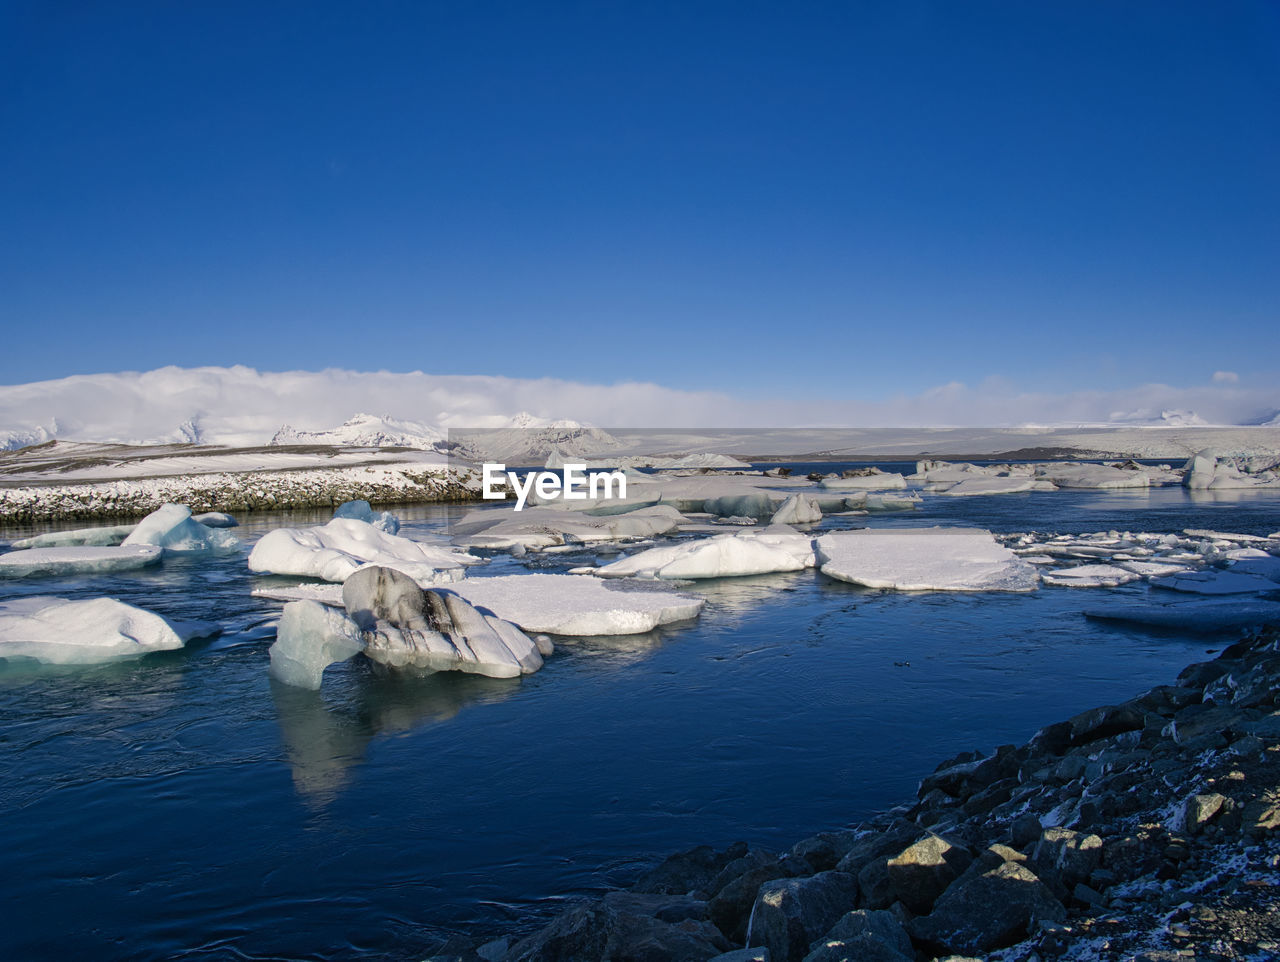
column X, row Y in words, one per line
column 1148, row 830
column 239, row 491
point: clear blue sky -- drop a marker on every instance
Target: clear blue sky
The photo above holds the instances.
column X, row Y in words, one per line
column 802, row 199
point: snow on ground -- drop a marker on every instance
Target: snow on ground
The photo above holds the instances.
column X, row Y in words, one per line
column 748, row 552
column 367, row 431
column 77, row 560
column 924, row 559
column 573, row 605
column 61, row 632
column 333, row 551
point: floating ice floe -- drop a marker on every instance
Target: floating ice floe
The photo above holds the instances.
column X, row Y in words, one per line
column 363, row 511
column 1090, row 576
column 573, row 605
column 394, row 622
column 1194, row 617
column 1072, row 475
column 172, row 528
column 1216, row 582
column 870, row 501
column 216, row 519
column 798, row 509
column 57, row 631
column 108, row 536
column 89, row 560
column 333, row 551
column 1011, row 485
column 546, row 527
column 1264, row 567
column 879, row 481
column 752, row 552
column 929, row 559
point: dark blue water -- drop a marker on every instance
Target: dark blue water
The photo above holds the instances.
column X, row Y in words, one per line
column 184, row 806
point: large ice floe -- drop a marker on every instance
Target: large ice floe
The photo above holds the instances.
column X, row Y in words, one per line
column 333, row 551
column 574, row 605
column 870, row 481
column 543, row 527
column 389, row 618
column 57, row 631
column 1193, row 617
column 108, row 536
column 750, row 552
column 75, row 560
column 172, row 528
column 924, row 559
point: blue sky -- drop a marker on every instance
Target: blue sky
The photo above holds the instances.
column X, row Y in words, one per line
column 842, row 200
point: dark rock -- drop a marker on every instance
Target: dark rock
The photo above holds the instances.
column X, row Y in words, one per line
column 824, row 851
column 730, row 909
column 875, row 891
column 1197, row 721
column 1261, row 816
column 606, row 930
column 1096, row 723
column 1052, row 739
column 921, row 872
column 1199, row 810
column 689, row 871
column 1025, row 830
column 790, row 913
column 664, row 908
column 889, row 840
column 1066, row 855
column 987, row 911
column 755, row 954
column 1167, row 699
column 580, row 932
column 865, row 937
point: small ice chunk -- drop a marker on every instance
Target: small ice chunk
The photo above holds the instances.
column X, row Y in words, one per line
column 172, row 528
column 363, row 511
column 880, row 481
column 1090, row 576
column 96, row 537
column 534, row 528
column 798, row 509
column 216, row 519
column 333, row 551
column 929, row 559
column 326, row 594
column 310, row 638
column 50, row 562
column 756, row 504
column 571, row 605
column 773, row 549
column 1153, row 569
column 62, row 632
column 1072, row 475
column 978, row 486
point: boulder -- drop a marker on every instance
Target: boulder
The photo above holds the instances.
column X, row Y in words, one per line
column 921, row 872
column 866, row 937
column 790, row 913
column 690, row 871
column 987, row 911
column 1067, row 855
column 730, row 908
column 615, row 930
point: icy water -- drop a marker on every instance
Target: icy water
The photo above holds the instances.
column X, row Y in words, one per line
column 183, row 806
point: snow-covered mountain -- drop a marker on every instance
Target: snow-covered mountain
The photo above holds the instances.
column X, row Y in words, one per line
column 367, row 431
column 526, row 439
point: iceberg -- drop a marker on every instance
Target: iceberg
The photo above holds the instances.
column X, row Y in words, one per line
column 75, row 560
column 57, row 631
column 1101, row 476
column 172, row 528
column 878, row 481
column 363, row 511
column 535, row 528
column 216, row 519
column 309, row 639
column 773, row 549
column 574, row 605
column 928, row 559
column 109, row 536
column 332, row 552
column 798, row 509
column 1011, row 485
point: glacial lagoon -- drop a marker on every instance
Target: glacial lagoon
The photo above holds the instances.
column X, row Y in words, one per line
column 186, row 804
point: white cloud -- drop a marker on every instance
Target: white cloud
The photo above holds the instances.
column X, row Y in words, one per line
column 1226, row 377
column 240, row 405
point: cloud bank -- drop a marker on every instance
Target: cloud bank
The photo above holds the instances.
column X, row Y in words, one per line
column 241, row 405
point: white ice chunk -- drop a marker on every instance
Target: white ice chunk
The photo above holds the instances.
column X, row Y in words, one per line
column 310, row 638
column 977, row 486
column 1196, row 617
column 48, row 562
column 773, row 549
column 798, row 509
column 61, row 632
column 326, row 594
column 96, row 537
column 216, row 519
column 172, row 528
column 363, row 511
column 571, row 605
column 1090, row 576
column 1153, row 569
column 878, row 481
column 333, row 551
column 1200, row 470
column 546, row 527
column 1216, row 582
column 1071, row 475
column 929, row 559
